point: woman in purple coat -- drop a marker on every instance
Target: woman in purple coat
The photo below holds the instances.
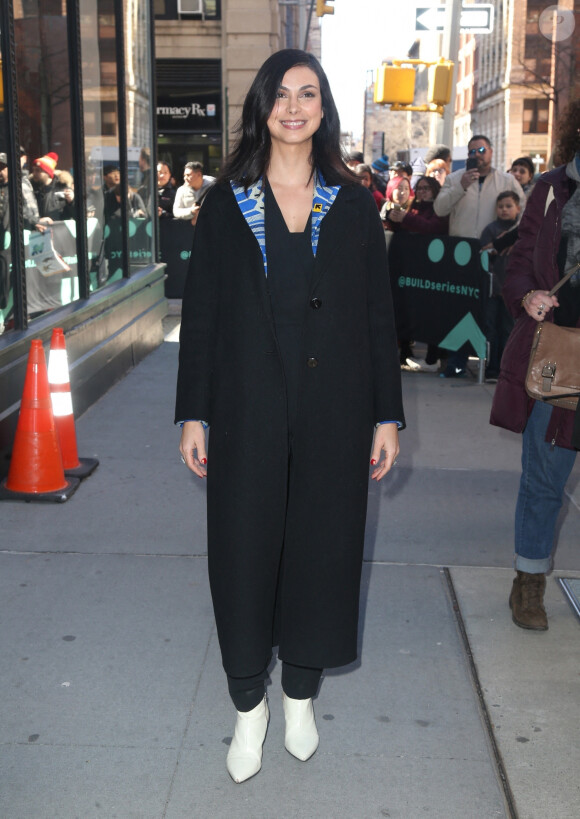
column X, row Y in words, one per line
column 548, row 245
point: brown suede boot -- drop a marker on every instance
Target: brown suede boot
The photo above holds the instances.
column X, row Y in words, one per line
column 527, row 601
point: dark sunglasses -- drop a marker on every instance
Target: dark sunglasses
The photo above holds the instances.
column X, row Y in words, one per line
column 473, row 151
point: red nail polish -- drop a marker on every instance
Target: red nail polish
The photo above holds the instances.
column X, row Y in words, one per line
column 204, row 460
column 373, row 462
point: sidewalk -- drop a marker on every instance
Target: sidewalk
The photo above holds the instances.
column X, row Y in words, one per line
column 114, row 701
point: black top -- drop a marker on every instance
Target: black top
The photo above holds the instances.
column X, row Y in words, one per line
column 290, row 269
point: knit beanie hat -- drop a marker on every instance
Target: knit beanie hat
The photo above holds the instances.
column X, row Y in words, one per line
column 381, row 164
column 47, row 163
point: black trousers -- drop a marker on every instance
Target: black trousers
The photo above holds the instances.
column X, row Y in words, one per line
column 298, row 682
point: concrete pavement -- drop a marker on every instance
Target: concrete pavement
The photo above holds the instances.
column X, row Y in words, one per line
column 114, row 701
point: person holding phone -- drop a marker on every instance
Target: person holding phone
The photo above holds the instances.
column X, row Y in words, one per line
column 469, row 195
column 469, row 198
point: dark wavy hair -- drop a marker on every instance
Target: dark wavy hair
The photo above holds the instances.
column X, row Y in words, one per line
column 432, row 182
column 250, row 157
column 568, row 139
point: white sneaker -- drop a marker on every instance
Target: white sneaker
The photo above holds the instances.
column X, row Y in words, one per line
column 245, row 754
column 414, row 364
column 420, row 365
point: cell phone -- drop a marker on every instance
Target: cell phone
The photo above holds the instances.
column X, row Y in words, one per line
column 471, row 163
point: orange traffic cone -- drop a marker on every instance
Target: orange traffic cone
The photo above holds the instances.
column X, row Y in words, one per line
column 62, row 409
column 36, row 471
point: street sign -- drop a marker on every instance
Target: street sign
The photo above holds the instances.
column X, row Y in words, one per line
column 475, row 19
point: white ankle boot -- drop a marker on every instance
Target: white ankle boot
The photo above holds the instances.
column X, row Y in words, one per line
column 245, row 755
column 301, row 735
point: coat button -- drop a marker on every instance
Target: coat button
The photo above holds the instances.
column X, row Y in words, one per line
column 316, row 304
column 312, row 362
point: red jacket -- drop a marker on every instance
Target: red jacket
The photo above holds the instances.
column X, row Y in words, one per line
column 532, row 265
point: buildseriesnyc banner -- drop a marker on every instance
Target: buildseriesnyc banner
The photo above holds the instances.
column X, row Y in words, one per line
column 440, row 287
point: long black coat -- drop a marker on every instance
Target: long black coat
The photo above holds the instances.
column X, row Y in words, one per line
column 285, row 534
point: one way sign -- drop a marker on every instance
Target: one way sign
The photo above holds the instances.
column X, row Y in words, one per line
column 475, row 19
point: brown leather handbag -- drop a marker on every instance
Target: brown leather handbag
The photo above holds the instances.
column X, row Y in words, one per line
column 554, row 367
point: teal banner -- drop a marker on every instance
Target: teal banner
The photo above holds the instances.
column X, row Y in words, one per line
column 440, row 288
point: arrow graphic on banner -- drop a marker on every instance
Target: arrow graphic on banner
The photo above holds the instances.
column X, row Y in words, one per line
column 465, row 330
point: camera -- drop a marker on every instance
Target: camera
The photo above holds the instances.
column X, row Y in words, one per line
column 59, row 195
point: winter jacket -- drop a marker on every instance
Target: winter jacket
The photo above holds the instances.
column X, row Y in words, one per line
column 532, row 265
column 471, row 210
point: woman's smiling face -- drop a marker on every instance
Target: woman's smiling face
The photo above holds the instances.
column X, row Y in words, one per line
column 297, row 112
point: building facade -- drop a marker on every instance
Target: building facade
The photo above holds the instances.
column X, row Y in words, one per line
column 512, row 85
column 207, row 54
column 77, row 84
column 514, row 82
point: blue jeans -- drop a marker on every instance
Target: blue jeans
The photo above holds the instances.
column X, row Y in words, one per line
column 545, row 470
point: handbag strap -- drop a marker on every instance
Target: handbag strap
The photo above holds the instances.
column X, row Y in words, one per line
column 564, row 279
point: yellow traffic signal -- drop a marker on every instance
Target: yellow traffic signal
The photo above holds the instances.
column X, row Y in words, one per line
column 395, row 84
column 322, row 8
column 440, row 82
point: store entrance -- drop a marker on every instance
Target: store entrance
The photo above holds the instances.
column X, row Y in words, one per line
column 177, row 149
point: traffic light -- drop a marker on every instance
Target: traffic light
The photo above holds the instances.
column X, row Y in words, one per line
column 395, row 84
column 322, row 8
column 440, row 82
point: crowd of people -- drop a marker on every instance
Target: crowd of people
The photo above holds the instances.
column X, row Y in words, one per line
column 476, row 202
column 529, row 225
column 48, row 197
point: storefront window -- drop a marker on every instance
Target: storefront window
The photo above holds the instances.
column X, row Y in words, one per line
column 142, row 185
column 80, row 101
column 6, row 288
column 101, row 122
column 64, row 69
column 42, row 65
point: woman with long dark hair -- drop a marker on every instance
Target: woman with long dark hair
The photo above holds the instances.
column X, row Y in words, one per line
column 288, row 353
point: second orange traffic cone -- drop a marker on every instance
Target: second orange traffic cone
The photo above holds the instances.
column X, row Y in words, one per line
column 59, row 381
column 36, row 471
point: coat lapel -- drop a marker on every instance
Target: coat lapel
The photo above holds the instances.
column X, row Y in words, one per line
column 252, row 206
column 334, row 217
column 248, row 237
